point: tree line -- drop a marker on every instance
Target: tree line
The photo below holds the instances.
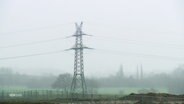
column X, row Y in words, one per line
column 173, row 81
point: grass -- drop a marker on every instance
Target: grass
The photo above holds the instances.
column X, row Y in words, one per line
column 105, row 90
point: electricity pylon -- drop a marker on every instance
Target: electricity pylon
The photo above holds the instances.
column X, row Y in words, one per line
column 78, row 86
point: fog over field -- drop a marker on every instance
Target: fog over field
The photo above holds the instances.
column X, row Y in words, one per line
column 91, row 51
column 130, row 33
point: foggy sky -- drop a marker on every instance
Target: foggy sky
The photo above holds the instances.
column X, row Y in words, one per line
column 127, row 32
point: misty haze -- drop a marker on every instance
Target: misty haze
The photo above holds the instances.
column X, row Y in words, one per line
column 92, row 52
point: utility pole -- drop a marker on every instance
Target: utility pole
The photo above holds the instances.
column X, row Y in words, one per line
column 78, row 86
column 137, row 74
column 121, row 72
column 141, row 72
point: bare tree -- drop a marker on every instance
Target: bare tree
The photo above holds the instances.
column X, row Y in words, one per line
column 63, row 82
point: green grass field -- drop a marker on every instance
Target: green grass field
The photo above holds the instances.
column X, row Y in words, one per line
column 108, row 90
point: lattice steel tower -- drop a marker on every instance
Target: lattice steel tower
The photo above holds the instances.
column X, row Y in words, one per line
column 78, row 85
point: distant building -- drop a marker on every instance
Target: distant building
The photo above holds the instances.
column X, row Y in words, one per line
column 141, row 76
column 139, row 73
column 120, row 73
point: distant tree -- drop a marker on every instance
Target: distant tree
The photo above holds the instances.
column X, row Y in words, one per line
column 39, row 81
column 63, row 82
column 176, row 84
column 179, row 72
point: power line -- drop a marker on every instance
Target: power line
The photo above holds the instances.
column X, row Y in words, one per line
column 103, row 24
column 30, row 55
column 60, row 38
column 55, row 39
column 105, row 51
column 142, row 42
column 117, row 52
column 32, row 43
column 102, row 37
column 35, row 29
